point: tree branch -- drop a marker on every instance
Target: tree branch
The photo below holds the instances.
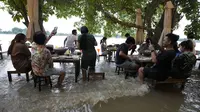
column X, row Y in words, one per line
column 149, row 12
column 23, row 12
column 114, row 19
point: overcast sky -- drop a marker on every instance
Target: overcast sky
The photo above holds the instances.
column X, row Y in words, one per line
column 64, row 25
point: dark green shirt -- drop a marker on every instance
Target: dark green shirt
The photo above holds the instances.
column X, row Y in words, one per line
column 90, row 52
column 184, row 62
column 90, row 42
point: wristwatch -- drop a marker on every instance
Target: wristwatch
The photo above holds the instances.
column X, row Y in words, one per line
column 152, row 50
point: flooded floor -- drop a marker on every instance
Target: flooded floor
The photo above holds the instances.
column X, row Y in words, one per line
column 114, row 94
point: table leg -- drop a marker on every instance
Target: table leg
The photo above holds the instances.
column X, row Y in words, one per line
column 77, row 70
column 1, row 54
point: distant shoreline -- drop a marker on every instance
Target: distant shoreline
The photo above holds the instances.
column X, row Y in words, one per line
column 58, row 34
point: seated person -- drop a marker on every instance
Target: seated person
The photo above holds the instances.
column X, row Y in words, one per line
column 103, row 45
column 42, row 63
column 184, row 62
column 34, row 46
column 144, row 48
column 20, row 54
column 122, row 58
column 162, row 60
column 134, row 46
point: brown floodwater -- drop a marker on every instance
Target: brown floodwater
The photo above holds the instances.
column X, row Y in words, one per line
column 114, row 94
column 158, row 100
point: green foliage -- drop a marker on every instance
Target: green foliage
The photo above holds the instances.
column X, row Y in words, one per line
column 191, row 10
column 18, row 9
column 110, row 16
column 118, row 16
column 15, row 8
column 14, row 30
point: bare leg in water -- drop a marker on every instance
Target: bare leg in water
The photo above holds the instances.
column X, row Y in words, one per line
column 84, row 74
column 61, row 78
column 141, row 75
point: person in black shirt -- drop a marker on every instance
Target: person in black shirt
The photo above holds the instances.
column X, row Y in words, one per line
column 162, row 60
column 133, row 46
column 121, row 55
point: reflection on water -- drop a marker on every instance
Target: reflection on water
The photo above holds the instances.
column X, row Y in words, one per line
column 192, row 94
column 114, row 94
column 20, row 95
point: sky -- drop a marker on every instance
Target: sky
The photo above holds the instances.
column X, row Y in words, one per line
column 64, row 25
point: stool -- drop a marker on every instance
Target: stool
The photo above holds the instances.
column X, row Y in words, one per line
column 15, row 72
column 128, row 72
column 171, row 80
column 118, row 68
column 103, row 55
column 102, row 74
column 38, row 79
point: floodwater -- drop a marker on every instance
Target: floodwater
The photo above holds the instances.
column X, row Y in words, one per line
column 114, row 94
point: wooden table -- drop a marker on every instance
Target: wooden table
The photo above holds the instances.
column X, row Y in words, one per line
column 143, row 60
column 76, row 62
column 198, row 59
column 113, row 51
column 1, row 52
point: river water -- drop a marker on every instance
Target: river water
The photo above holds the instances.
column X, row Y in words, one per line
column 114, row 94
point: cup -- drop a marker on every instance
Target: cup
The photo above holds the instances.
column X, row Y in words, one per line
column 98, row 50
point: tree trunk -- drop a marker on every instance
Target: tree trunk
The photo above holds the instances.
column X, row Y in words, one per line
column 158, row 29
column 41, row 2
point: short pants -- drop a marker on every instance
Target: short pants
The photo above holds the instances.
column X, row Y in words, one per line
column 153, row 73
column 53, row 71
column 129, row 65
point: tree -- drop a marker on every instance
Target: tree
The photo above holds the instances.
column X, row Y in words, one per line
column 118, row 16
column 18, row 10
column 16, row 30
column 113, row 16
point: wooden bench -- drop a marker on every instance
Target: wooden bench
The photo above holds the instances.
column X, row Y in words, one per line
column 96, row 74
column 171, row 80
column 198, row 59
column 129, row 72
column 1, row 53
column 101, row 55
column 15, row 72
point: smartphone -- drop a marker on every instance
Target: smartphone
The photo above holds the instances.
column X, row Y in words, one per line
column 55, row 30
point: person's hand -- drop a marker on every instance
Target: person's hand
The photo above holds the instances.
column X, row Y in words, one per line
column 129, row 59
column 54, row 31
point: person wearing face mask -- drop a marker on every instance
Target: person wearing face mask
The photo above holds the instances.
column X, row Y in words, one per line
column 184, row 62
column 122, row 58
column 20, row 54
column 163, row 60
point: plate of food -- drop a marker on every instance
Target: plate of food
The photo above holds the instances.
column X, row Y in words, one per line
column 65, row 57
column 55, row 57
